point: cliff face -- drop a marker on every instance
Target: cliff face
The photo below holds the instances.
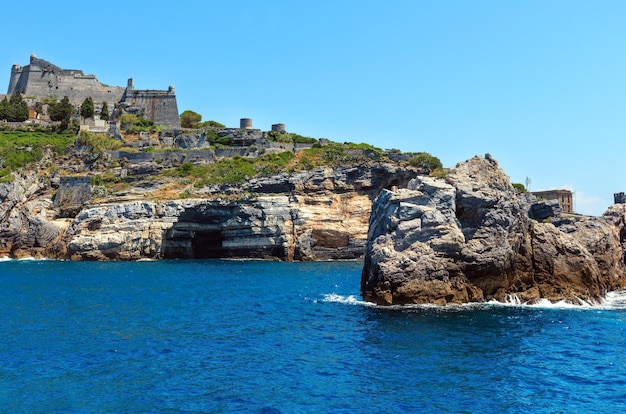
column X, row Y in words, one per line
column 316, row 215
column 470, row 238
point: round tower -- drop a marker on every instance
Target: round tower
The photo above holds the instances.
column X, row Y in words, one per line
column 278, row 127
column 245, row 123
column 16, row 71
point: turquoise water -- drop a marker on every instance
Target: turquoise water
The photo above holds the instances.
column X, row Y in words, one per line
column 265, row 337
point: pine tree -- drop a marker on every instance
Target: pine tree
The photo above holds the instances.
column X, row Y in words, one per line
column 104, row 113
column 87, row 108
column 4, row 109
column 62, row 111
column 15, row 109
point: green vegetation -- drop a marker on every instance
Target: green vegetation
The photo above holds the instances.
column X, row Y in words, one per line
column 134, row 124
column 215, row 139
column 234, row 170
column 14, row 109
column 190, row 119
column 87, row 108
column 104, row 112
column 104, row 179
column 20, row 149
column 428, row 162
column 98, row 143
column 290, row 138
column 62, row 111
column 226, row 171
column 519, row 187
column 211, row 124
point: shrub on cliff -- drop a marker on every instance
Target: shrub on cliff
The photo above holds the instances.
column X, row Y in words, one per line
column 426, row 161
column 290, row 138
column 98, row 143
column 134, row 124
column 212, row 124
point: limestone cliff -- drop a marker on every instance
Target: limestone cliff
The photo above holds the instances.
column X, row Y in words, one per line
column 470, row 238
column 320, row 214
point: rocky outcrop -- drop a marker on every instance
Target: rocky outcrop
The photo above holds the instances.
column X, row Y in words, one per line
column 471, row 238
column 320, row 214
column 26, row 228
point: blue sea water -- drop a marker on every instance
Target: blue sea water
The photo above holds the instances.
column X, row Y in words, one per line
column 212, row 336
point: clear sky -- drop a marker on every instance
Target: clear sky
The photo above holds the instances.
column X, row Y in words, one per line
column 540, row 85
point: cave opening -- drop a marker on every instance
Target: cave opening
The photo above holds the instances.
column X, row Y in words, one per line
column 207, row 244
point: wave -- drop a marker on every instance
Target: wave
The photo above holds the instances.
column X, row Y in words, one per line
column 24, row 259
column 615, row 300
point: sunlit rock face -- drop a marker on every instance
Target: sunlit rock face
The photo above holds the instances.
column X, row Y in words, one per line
column 470, row 238
column 320, row 214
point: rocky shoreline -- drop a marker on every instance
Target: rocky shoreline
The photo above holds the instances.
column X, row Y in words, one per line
column 471, row 238
column 468, row 237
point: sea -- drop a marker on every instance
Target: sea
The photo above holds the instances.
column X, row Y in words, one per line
column 228, row 336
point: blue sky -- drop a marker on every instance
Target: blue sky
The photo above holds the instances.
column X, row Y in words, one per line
column 540, row 85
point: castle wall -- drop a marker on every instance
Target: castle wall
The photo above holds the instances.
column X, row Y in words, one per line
column 160, row 106
column 42, row 79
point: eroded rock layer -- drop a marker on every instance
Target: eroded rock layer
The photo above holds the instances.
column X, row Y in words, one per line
column 320, row 214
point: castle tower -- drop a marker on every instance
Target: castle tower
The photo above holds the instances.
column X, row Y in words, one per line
column 245, row 123
column 278, row 127
column 16, row 70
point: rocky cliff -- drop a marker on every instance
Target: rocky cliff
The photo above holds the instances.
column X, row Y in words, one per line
column 471, row 237
column 319, row 214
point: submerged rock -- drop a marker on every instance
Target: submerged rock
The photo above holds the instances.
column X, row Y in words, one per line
column 470, row 238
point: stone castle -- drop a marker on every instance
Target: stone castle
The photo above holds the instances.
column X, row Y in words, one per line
column 42, row 79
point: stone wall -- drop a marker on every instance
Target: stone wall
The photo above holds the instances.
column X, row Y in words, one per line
column 172, row 157
column 41, row 79
column 159, row 107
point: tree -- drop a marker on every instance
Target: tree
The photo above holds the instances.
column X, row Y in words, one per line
column 62, row 111
column 4, row 108
column 14, row 109
column 104, row 113
column 190, row 119
column 87, row 108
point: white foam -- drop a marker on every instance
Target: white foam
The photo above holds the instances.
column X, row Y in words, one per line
column 613, row 301
column 24, row 259
column 347, row 300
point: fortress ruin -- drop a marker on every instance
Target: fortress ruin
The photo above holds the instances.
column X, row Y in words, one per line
column 41, row 79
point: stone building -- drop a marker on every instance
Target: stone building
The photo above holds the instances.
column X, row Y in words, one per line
column 564, row 197
column 42, row 79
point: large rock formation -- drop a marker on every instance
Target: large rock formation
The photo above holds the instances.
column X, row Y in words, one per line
column 469, row 238
column 320, row 214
